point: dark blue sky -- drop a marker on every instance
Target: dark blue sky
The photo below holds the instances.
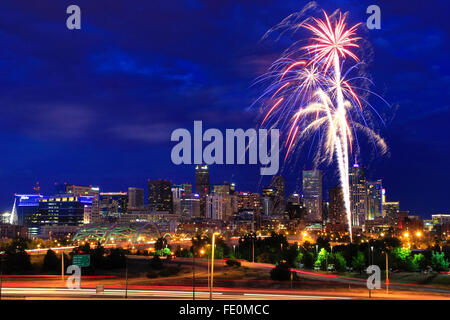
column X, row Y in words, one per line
column 97, row 106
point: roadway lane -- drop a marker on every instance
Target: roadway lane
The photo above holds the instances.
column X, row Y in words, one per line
column 63, row 293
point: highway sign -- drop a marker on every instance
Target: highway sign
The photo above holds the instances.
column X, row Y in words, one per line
column 82, row 260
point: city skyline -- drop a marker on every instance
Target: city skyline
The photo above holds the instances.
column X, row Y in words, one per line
column 170, row 80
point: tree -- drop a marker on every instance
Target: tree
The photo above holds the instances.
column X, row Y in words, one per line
column 16, row 259
column 198, row 242
column 161, row 243
column 419, row 262
column 281, row 272
column 115, row 258
column 291, row 255
column 180, row 252
column 358, row 262
column 263, row 258
column 401, row 259
column 323, row 242
column 51, row 262
column 438, row 261
column 322, row 259
column 97, row 256
column 339, row 262
column 156, row 263
column 308, row 260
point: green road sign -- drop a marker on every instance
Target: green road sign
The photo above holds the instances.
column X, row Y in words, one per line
column 82, row 260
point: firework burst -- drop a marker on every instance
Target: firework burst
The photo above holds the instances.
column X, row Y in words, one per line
column 310, row 92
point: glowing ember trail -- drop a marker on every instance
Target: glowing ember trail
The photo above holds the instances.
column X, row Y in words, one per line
column 312, row 94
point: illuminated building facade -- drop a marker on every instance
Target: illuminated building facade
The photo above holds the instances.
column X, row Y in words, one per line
column 135, row 197
column 336, row 210
column 160, row 197
column 24, row 206
column 278, row 186
column 113, row 205
column 190, row 206
column 358, row 195
column 391, row 211
column 59, row 210
column 92, row 216
column 374, row 200
column 312, row 195
column 202, row 186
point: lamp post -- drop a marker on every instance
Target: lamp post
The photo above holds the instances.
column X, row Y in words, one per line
column 1, row 275
column 126, row 277
column 371, row 249
column 193, row 270
column 62, row 265
column 387, row 273
column 253, row 248
column 212, row 265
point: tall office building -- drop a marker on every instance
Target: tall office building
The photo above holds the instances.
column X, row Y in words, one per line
column 190, row 206
column 160, row 197
column 249, row 201
column 268, row 198
column 391, row 211
column 202, row 186
column 113, row 205
column 218, row 207
column 374, row 200
column 94, row 215
column 224, row 190
column 312, row 195
column 135, row 197
column 336, row 211
column 24, row 206
column 294, row 206
column 58, row 212
column 279, row 203
column 358, row 194
column 201, row 179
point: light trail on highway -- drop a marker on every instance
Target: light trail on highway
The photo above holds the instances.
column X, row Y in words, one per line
column 89, row 293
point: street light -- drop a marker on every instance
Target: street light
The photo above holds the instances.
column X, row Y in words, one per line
column 212, row 264
column 371, row 249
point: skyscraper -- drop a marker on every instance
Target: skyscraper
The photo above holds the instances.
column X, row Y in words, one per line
column 312, row 195
column 336, row 211
column 160, row 196
column 374, row 200
column 59, row 211
column 391, row 210
column 190, row 206
column 202, row 186
column 135, row 197
column 113, row 204
column 358, row 194
column 92, row 216
column 224, row 190
column 215, row 208
column 279, row 203
column 268, row 198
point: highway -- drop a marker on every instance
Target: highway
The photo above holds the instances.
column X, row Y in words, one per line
column 90, row 293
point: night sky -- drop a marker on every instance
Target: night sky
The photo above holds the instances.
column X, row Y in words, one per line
column 96, row 106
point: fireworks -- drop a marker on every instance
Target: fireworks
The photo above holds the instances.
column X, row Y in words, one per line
column 311, row 92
